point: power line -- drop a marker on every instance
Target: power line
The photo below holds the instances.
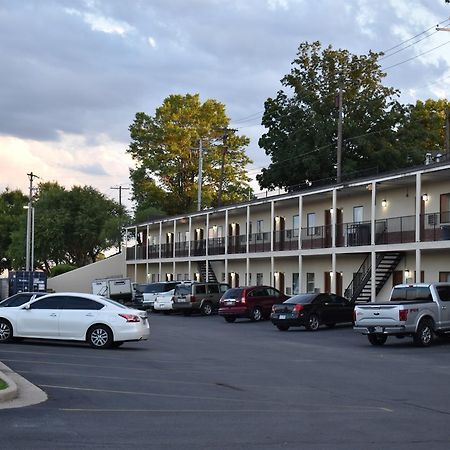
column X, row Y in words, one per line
column 417, row 56
column 414, row 37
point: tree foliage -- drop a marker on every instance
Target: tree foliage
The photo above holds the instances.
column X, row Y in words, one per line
column 301, row 121
column 165, row 148
column 422, row 129
column 12, row 217
column 71, row 227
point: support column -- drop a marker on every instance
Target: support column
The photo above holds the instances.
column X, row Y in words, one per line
column 247, row 268
column 418, row 204
column 300, row 274
column 300, row 222
column 248, row 230
column 418, row 265
column 333, row 272
column 225, row 232
column 174, row 246
column 272, row 224
column 373, row 275
column 333, row 223
column 372, row 212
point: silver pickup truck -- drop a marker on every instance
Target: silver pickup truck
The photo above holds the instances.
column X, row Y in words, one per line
column 418, row 310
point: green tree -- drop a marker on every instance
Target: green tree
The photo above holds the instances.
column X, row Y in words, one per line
column 422, row 129
column 12, row 218
column 301, row 122
column 165, row 148
column 71, row 227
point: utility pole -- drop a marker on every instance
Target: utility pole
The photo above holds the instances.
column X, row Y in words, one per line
column 339, row 139
column 29, row 263
column 447, row 130
column 222, row 167
column 119, row 188
column 200, row 172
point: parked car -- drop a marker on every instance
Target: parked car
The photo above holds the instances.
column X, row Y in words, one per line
column 145, row 294
column 20, row 298
column 253, row 302
column 164, row 301
column 197, row 296
column 311, row 311
column 421, row 311
column 99, row 321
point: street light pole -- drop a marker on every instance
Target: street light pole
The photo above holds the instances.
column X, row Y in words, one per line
column 30, row 226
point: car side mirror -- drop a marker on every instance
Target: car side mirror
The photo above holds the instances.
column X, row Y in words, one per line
column 27, row 306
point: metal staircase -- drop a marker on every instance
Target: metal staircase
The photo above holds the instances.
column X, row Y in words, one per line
column 206, row 272
column 359, row 290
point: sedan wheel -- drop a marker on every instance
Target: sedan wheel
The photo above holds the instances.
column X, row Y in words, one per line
column 313, row 323
column 100, row 336
column 6, row 331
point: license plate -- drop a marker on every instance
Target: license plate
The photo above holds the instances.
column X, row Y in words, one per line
column 229, row 302
column 282, row 316
column 181, row 300
column 378, row 329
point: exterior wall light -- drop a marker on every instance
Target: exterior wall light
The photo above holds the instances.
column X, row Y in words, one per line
column 384, row 203
column 425, row 197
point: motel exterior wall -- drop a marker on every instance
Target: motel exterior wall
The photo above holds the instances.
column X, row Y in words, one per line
column 316, row 238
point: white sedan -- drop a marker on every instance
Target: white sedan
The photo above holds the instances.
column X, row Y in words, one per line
column 97, row 320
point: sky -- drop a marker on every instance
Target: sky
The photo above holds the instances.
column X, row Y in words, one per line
column 74, row 73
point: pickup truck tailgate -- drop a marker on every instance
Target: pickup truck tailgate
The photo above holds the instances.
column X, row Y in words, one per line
column 384, row 315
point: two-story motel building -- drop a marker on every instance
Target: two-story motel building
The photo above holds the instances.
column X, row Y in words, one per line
column 357, row 238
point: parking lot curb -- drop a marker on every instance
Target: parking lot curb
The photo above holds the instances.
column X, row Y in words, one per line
column 20, row 392
column 11, row 392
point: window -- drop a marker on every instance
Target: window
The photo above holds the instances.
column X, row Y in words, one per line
column 444, row 277
column 295, row 284
column 295, row 225
column 179, row 277
column 273, row 292
column 212, row 231
column 180, row 237
column 220, row 231
column 310, row 282
column 213, row 289
column 259, row 229
column 358, row 214
column 48, row 303
column 249, row 228
column 186, row 277
column 200, row 289
column 224, row 288
column 78, row 303
column 311, row 223
column 444, row 293
column 259, row 279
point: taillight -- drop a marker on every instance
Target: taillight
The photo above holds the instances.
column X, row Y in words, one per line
column 192, row 298
column 298, row 307
column 243, row 300
column 130, row 317
column 403, row 315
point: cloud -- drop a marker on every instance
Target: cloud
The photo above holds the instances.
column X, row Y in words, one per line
column 74, row 69
column 97, row 22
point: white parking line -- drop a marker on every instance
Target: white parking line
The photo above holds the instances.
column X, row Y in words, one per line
column 308, row 410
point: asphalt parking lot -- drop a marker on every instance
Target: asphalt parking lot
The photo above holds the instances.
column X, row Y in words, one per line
column 201, row 383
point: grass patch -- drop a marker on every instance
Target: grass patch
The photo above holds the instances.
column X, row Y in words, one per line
column 3, row 385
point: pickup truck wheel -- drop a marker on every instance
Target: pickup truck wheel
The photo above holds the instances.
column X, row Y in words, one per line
column 313, row 323
column 424, row 334
column 207, row 309
column 377, row 339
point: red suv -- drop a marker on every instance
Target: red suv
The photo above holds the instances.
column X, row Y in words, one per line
column 254, row 302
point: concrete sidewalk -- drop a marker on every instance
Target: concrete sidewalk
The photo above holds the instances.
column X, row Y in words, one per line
column 20, row 392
